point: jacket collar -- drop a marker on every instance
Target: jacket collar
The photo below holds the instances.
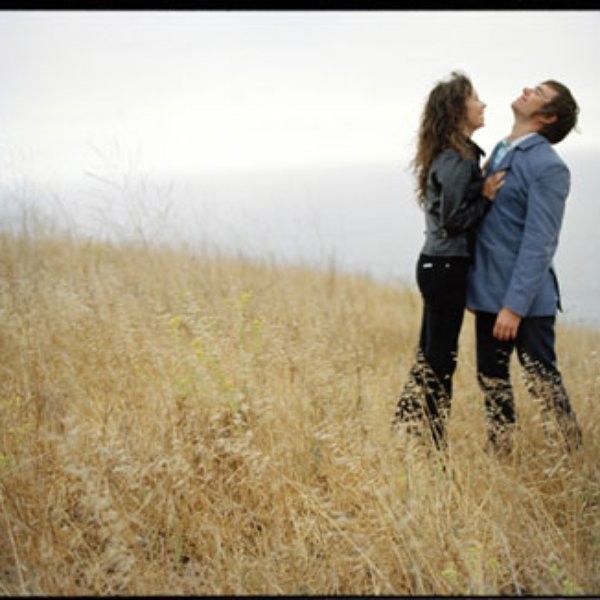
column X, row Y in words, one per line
column 478, row 151
column 531, row 140
column 528, row 142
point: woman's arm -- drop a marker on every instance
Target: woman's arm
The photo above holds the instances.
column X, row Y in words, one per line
column 464, row 196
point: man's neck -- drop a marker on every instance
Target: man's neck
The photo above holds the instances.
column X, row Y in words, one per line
column 521, row 128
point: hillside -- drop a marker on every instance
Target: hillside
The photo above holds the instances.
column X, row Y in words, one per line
column 178, row 424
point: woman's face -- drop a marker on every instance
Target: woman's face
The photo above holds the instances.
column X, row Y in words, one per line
column 474, row 108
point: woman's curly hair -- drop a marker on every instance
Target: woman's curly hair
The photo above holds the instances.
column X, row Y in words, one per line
column 441, row 126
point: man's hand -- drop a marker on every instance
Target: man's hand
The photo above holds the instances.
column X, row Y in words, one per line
column 507, row 325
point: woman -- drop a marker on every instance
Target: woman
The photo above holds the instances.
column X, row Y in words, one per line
column 452, row 191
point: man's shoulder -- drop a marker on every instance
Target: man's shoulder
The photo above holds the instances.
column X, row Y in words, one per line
column 538, row 145
column 541, row 153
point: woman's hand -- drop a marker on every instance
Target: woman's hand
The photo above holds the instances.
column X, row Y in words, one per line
column 492, row 184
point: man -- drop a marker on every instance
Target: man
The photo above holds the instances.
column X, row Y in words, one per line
column 512, row 287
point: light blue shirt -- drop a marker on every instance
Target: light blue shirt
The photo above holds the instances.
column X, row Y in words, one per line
column 505, row 147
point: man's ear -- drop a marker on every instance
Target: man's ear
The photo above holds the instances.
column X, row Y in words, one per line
column 546, row 119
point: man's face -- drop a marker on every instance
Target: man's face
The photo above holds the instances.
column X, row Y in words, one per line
column 532, row 100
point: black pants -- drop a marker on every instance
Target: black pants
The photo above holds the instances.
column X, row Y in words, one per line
column 535, row 344
column 428, row 390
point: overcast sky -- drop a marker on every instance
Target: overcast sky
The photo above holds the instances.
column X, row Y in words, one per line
column 190, row 92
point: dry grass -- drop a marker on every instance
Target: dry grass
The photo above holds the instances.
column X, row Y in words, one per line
column 177, row 425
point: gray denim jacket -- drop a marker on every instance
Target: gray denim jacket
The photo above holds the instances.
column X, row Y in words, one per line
column 454, row 204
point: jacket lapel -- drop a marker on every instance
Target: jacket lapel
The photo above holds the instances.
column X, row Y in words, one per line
column 522, row 145
column 504, row 164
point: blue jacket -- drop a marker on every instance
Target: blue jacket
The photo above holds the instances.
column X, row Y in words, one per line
column 518, row 237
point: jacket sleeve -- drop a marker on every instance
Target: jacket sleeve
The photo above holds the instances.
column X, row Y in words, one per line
column 461, row 202
column 545, row 210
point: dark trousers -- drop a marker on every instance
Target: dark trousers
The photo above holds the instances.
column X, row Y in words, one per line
column 535, row 343
column 428, row 390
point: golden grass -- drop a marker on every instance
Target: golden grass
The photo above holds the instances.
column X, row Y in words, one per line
column 171, row 424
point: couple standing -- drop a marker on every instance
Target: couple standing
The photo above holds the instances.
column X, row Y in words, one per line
column 490, row 240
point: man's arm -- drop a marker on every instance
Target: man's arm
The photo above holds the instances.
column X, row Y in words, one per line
column 545, row 210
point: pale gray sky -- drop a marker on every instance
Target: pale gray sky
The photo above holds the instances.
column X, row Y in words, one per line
column 191, row 92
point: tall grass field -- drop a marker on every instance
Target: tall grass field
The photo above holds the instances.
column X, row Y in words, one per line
column 172, row 423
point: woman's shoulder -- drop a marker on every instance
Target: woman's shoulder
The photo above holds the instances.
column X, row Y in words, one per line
column 448, row 153
column 451, row 159
column 446, row 156
column 451, row 154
